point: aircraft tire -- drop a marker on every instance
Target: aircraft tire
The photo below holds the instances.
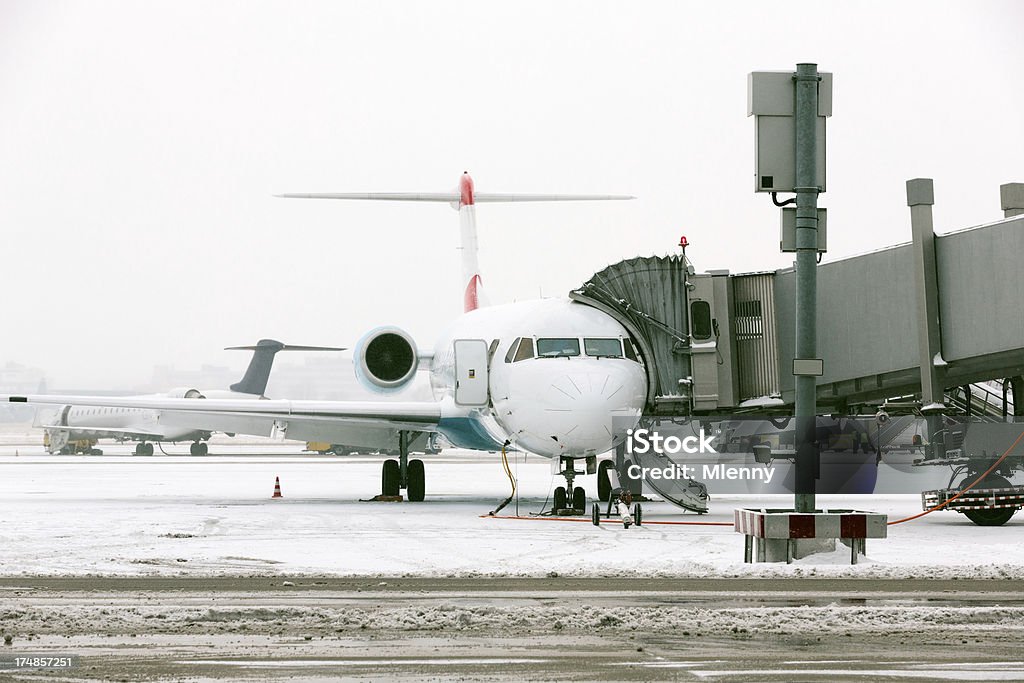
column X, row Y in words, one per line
column 595, row 514
column 638, row 514
column 604, row 484
column 417, row 481
column 147, row 449
column 391, row 478
column 579, row 498
column 559, row 501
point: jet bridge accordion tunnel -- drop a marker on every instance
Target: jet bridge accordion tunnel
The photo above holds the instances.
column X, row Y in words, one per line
column 720, row 344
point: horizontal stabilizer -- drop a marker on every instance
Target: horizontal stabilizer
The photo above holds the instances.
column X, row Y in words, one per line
column 453, row 197
column 285, row 347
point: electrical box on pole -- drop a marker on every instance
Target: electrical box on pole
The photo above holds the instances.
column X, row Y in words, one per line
column 787, row 232
column 771, row 98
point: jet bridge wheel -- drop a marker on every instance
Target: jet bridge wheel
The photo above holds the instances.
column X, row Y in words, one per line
column 989, row 516
column 417, row 485
column 391, row 478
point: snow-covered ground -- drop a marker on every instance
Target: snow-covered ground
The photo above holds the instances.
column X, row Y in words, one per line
column 125, row 515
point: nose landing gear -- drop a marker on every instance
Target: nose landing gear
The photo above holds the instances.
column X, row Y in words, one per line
column 569, row 499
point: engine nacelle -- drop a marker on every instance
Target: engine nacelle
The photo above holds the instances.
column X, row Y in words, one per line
column 385, row 359
column 185, row 392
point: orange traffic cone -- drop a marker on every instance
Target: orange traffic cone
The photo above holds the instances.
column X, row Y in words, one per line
column 277, row 488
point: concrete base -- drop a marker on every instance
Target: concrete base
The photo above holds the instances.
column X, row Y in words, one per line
column 789, row 549
column 782, row 535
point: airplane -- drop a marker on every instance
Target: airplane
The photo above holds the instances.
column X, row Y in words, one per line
column 75, row 427
column 553, row 377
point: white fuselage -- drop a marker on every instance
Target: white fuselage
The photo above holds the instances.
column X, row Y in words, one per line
column 568, row 394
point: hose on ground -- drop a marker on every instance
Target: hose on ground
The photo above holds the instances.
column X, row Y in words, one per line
column 512, row 479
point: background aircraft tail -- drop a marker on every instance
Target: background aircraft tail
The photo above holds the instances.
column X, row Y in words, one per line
column 465, row 200
column 258, row 373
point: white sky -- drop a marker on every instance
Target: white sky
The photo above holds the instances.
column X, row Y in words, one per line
column 140, row 144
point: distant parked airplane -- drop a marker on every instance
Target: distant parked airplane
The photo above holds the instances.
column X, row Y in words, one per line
column 76, row 427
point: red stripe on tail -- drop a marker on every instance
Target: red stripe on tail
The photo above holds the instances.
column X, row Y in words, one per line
column 471, row 299
column 465, row 190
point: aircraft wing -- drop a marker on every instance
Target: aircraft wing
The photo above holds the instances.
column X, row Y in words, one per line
column 357, row 422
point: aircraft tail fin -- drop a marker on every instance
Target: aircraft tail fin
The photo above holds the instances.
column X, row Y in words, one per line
column 464, row 200
column 256, row 376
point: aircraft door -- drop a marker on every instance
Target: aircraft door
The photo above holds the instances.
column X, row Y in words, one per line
column 471, row 377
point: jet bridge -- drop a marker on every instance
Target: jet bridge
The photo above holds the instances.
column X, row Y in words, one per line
column 715, row 343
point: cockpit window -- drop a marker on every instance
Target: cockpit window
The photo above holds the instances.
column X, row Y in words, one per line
column 558, row 348
column 603, row 348
column 525, row 351
column 512, row 351
column 630, row 351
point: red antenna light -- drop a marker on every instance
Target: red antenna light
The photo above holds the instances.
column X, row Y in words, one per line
column 683, row 243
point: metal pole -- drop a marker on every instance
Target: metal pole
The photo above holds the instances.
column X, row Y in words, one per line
column 806, row 281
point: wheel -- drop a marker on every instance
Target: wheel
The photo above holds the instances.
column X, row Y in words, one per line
column 417, row 481
column 193, row 449
column 604, row 484
column 579, row 498
column 149, row 449
column 560, row 499
column 138, row 449
column 203, row 448
column 391, row 478
column 989, row 516
column 595, row 514
column 638, row 514
column 95, row 451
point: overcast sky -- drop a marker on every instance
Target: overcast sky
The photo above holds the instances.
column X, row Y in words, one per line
column 141, row 144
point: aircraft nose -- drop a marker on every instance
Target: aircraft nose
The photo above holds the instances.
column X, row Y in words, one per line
column 588, row 391
column 602, row 405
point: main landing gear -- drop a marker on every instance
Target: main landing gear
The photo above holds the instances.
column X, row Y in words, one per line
column 199, row 448
column 143, row 448
column 569, row 499
column 404, row 473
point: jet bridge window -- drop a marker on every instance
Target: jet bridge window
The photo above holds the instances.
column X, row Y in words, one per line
column 558, row 348
column 700, row 319
column 603, row 348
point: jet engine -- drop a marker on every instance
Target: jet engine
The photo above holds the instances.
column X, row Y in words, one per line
column 185, row 392
column 385, row 359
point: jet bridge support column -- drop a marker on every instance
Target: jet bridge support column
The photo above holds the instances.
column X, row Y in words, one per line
column 806, row 282
column 920, row 198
